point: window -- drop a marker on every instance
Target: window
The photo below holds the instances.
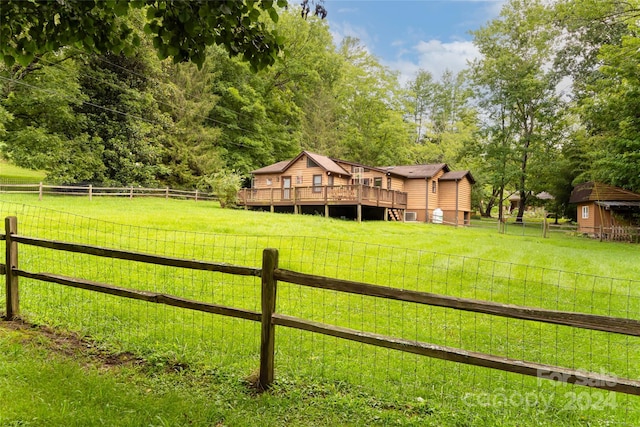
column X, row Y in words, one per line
column 434, row 186
column 388, row 183
column 269, row 181
column 366, row 182
column 299, row 180
column 317, row 183
column 330, row 180
column 585, row 212
column 377, row 182
column 311, row 163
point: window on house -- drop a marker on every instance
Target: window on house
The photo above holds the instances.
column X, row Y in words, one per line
column 269, row 181
column 377, row 182
column 311, row 163
column 366, row 181
column 585, row 212
column 388, row 183
column 317, row 183
column 330, row 180
column 434, row 186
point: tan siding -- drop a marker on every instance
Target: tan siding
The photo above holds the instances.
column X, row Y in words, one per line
column 447, row 195
column 415, row 189
column 464, row 195
column 586, row 225
column 300, row 168
column 260, row 181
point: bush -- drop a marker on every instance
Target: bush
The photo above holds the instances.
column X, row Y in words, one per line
column 224, row 184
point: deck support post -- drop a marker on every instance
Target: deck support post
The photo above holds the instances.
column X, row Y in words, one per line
column 359, row 209
column 386, row 214
column 326, row 211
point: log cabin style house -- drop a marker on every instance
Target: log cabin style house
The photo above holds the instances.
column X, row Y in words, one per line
column 316, row 184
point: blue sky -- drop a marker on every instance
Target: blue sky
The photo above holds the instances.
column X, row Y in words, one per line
column 407, row 35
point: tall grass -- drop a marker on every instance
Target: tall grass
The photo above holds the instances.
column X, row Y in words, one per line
column 556, row 273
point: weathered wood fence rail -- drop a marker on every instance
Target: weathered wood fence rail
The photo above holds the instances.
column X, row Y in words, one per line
column 270, row 274
column 90, row 191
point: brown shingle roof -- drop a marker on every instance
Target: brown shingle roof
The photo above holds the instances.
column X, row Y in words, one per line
column 456, row 176
column 417, row 171
column 596, row 191
column 274, row 168
column 325, row 163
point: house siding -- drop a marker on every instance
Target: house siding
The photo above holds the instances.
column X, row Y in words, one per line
column 416, row 197
column 417, row 189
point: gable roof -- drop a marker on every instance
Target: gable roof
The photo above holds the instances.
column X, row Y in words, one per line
column 596, row 191
column 323, row 161
column 417, row 171
column 457, row 176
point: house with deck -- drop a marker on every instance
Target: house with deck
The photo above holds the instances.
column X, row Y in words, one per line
column 316, row 184
column 607, row 212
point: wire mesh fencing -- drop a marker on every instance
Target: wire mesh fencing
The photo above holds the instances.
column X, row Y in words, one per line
column 472, row 393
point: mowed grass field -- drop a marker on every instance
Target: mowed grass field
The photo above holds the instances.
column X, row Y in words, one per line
column 192, row 358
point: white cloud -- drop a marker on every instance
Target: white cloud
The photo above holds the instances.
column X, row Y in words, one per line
column 436, row 57
column 340, row 30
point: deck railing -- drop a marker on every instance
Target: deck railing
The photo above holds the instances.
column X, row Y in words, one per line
column 339, row 194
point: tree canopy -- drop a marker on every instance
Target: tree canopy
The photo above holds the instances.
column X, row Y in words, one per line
column 179, row 29
column 200, row 93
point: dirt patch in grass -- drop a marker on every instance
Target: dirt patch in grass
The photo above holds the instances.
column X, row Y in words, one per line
column 69, row 344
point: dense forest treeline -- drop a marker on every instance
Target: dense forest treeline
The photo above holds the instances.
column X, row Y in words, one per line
column 552, row 101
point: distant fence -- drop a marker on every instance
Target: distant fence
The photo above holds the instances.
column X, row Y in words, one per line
column 528, row 227
column 270, row 274
column 90, row 191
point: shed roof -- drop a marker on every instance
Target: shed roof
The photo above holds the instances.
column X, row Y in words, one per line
column 596, row 191
column 457, row 176
column 274, row 168
column 417, row 171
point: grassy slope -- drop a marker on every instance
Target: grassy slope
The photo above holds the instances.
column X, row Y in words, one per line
column 316, row 404
column 12, row 172
column 561, row 252
column 69, row 387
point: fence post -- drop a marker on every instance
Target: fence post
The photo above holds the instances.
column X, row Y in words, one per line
column 40, row 191
column 166, row 193
column 11, row 263
column 196, row 194
column 267, row 342
column 90, row 192
column 131, row 192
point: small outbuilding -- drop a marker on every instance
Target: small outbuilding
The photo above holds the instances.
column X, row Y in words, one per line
column 607, row 212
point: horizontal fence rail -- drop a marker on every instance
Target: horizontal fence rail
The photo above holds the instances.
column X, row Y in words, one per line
column 91, row 191
column 270, row 274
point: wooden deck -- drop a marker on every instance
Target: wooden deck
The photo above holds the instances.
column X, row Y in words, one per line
column 339, row 195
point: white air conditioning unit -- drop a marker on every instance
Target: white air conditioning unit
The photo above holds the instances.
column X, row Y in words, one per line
column 410, row 216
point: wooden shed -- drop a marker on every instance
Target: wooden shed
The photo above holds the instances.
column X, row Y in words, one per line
column 606, row 212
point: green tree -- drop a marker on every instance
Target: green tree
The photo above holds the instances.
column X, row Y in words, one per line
column 179, row 29
column 516, row 86
column 611, row 115
column 372, row 129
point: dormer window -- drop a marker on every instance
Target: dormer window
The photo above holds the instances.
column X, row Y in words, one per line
column 311, row 163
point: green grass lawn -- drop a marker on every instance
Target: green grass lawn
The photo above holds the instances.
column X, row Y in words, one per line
column 562, row 272
column 10, row 173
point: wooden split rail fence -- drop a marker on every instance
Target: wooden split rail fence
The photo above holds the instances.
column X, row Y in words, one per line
column 271, row 274
column 91, row 191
